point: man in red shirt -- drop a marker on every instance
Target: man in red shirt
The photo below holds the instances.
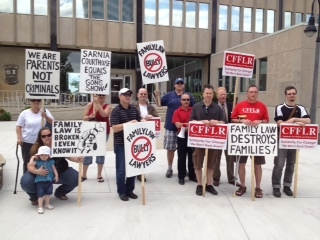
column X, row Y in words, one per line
column 252, row 113
column 181, row 118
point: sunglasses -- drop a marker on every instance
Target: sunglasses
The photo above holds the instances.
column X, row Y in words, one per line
column 180, row 83
column 35, row 100
column 186, row 99
column 44, row 136
column 101, row 95
column 127, row 94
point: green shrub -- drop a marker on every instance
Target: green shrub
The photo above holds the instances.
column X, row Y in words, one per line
column 4, row 116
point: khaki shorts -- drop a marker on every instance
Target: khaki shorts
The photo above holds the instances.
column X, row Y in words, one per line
column 198, row 158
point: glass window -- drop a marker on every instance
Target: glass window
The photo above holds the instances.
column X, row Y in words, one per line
column 263, row 74
column 23, row 6
column 270, row 21
column 307, row 17
column 150, row 12
column 298, row 18
column 127, row 10
column 287, row 19
column 223, row 17
column 190, row 14
column 66, row 8
column 247, row 19
column 235, row 18
column 253, row 79
column 243, row 86
column 164, row 12
column 98, row 9
column 177, row 14
column 228, row 83
column 203, row 15
column 259, row 20
column 6, row 6
column 82, row 8
column 220, row 77
column 113, row 10
column 40, row 7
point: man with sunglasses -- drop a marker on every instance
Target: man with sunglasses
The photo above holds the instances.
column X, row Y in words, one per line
column 210, row 114
column 287, row 112
column 172, row 101
column 123, row 113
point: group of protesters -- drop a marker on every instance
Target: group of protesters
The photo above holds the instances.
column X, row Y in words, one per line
column 181, row 108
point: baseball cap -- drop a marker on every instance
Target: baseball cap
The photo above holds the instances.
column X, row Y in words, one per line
column 44, row 150
column 178, row 80
column 124, row 90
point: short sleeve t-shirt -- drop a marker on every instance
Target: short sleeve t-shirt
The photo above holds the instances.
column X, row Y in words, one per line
column 252, row 111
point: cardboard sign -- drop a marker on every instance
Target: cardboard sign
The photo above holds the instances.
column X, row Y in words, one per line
column 42, row 77
column 140, row 148
column 78, row 138
column 246, row 140
column 95, row 68
column 238, row 64
column 153, row 63
column 214, row 137
column 157, row 121
column 292, row 136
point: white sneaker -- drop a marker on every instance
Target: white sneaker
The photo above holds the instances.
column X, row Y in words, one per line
column 50, row 207
column 40, row 211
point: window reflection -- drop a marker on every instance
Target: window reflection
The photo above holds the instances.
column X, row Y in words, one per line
column 164, row 12
column 203, row 15
column 263, row 74
column 259, row 20
column 223, row 17
column 270, row 21
column 6, row 6
column 298, row 18
column 113, row 10
column 98, row 9
column 23, row 6
column 66, row 8
column 82, row 8
column 287, row 19
column 150, row 12
column 40, row 7
column 247, row 19
column 235, row 18
column 190, row 14
column 127, row 10
column 177, row 14
column 307, row 17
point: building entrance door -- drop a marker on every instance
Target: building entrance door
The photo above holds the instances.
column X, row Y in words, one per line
column 118, row 82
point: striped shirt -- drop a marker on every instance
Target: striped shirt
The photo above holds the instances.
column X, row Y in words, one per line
column 121, row 115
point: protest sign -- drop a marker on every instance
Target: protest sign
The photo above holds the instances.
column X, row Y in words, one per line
column 258, row 140
column 78, row 138
column 214, row 137
column 238, row 64
column 95, row 71
column 42, row 76
column 153, row 63
column 140, row 148
column 292, row 136
column 157, row 121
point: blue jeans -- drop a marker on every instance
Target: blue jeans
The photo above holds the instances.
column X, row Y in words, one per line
column 124, row 185
column 68, row 180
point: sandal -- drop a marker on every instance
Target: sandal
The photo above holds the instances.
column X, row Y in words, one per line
column 241, row 191
column 83, row 179
column 40, row 210
column 258, row 193
column 100, row 179
column 50, row 207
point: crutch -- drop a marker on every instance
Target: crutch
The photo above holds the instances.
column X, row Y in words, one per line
column 15, row 187
column 236, row 175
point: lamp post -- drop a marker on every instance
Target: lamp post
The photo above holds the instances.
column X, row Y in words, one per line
column 310, row 31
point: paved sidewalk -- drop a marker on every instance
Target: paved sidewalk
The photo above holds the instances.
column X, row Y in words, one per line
column 172, row 211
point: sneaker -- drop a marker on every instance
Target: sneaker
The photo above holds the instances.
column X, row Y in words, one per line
column 169, row 173
column 199, row 190
column 210, row 189
column 287, row 191
column 50, row 207
column 276, row 192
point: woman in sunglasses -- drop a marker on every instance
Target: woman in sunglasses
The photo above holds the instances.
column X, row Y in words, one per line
column 27, row 127
column 98, row 111
column 68, row 177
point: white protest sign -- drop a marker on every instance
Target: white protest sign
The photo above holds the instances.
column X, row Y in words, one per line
column 153, row 63
column 95, row 68
column 292, row 136
column 258, row 140
column 238, row 64
column 140, row 148
column 157, row 121
column 78, row 138
column 42, row 76
column 214, row 137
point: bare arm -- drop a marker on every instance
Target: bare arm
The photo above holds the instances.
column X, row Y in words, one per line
column 75, row 159
column 87, row 117
column 55, row 173
column 33, row 169
column 104, row 112
column 299, row 120
column 19, row 135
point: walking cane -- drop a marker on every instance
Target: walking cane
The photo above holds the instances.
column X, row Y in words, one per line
column 15, row 187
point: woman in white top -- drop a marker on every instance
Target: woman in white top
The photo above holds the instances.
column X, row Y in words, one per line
column 28, row 126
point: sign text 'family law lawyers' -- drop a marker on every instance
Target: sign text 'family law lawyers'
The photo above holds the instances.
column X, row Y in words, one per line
column 258, row 140
column 42, row 77
column 95, row 68
column 201, row 136
column 78, row 138
column 153, row 63
column 238, row 64
column 140, row 148
column 293, row 136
